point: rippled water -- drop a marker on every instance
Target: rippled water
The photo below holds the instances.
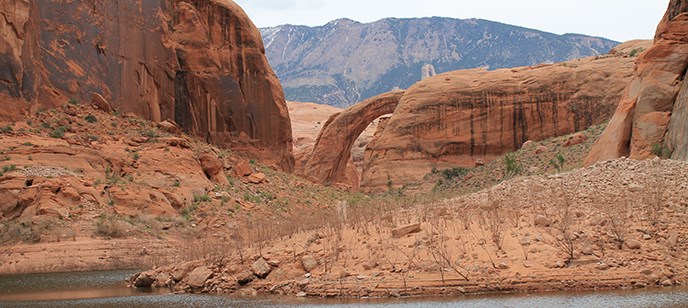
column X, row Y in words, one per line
column 107, row 289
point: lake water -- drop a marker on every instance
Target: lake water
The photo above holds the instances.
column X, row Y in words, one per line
column 107, row 289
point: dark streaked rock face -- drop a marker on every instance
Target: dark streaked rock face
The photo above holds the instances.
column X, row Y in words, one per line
column 461, row 117
column 344, row 62
column 200, row 63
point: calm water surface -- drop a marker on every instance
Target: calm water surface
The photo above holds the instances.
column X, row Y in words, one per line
column 107, row 289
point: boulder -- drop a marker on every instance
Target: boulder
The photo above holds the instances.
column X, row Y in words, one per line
column 602, row 266
column 256, row 178
column 576, row 139
column 405, row 230
column 243, row 168
column 170, row 127
column 303, row 283
column 198, row 277
column 261, row 268
column 99, row 102
column 245, row 277
column 541, row 149
column 633, row 244
column 213, row 168
column 309, row 263
column 542, row 221
column 144, row 280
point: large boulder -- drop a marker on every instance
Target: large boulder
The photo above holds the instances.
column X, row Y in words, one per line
column 213, row 168
column 309, row 263
column 198, row 276
column 199, row 63
column 261, row 268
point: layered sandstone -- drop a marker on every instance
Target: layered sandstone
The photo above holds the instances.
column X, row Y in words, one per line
column 199, row 63
column 456, row 118
column 330, row 161
column 652, row 112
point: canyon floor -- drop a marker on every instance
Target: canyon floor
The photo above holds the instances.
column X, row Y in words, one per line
column 84, row 189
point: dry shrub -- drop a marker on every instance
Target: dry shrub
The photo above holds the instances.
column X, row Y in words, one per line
column 111, row 226
column 562, row 227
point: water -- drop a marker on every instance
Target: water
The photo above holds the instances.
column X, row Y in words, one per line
column 107, row 289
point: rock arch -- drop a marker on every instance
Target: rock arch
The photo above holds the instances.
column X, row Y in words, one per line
column 332, row 151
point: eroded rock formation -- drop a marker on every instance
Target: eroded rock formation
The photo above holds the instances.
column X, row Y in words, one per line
column 330, row 161
column 653, row 110
column 453, row 119
column 199, row 63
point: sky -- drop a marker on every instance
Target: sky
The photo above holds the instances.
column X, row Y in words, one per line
column 619, row 20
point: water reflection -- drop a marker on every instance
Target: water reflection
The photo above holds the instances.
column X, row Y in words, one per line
column 107, row 289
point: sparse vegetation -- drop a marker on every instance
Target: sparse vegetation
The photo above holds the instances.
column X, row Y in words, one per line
column 110, row 226
column 6, row 129
column 512, row 167
column 448, row 176
column 149, row 133
column 636, row 52
column 58, row 132
column 187, row 212
column 201, row 198
column 111, row 177
column 91, row 118
column 558, row 162
column 660, row 150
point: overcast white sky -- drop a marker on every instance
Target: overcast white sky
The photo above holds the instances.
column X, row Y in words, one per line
column 619, row 20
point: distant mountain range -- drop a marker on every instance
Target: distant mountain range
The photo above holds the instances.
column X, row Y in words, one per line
column 345, row 61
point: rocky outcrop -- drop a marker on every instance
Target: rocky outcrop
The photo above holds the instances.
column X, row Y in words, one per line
column 456, row 118
column 345, row 62
column 652, row 112
column 331, row 155
column 198, row 63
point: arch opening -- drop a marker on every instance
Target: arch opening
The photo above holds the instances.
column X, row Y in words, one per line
column 329, row 161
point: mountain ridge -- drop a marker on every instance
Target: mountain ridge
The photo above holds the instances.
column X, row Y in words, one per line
column 346, row 61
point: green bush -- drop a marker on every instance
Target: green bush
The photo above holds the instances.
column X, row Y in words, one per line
column 149, row 133
column 511, row 165
column 201, row 198
column 6, row 129
column 58, row 132
column 188, row 211
column 9, row 168
column 91, row 118
column 661, row 150
column 558, row 162
column 453, row 173
column 636, row 52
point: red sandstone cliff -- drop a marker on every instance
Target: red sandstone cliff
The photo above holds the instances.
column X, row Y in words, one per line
column 653, row 112
column 199, row 63
column 455, row 118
